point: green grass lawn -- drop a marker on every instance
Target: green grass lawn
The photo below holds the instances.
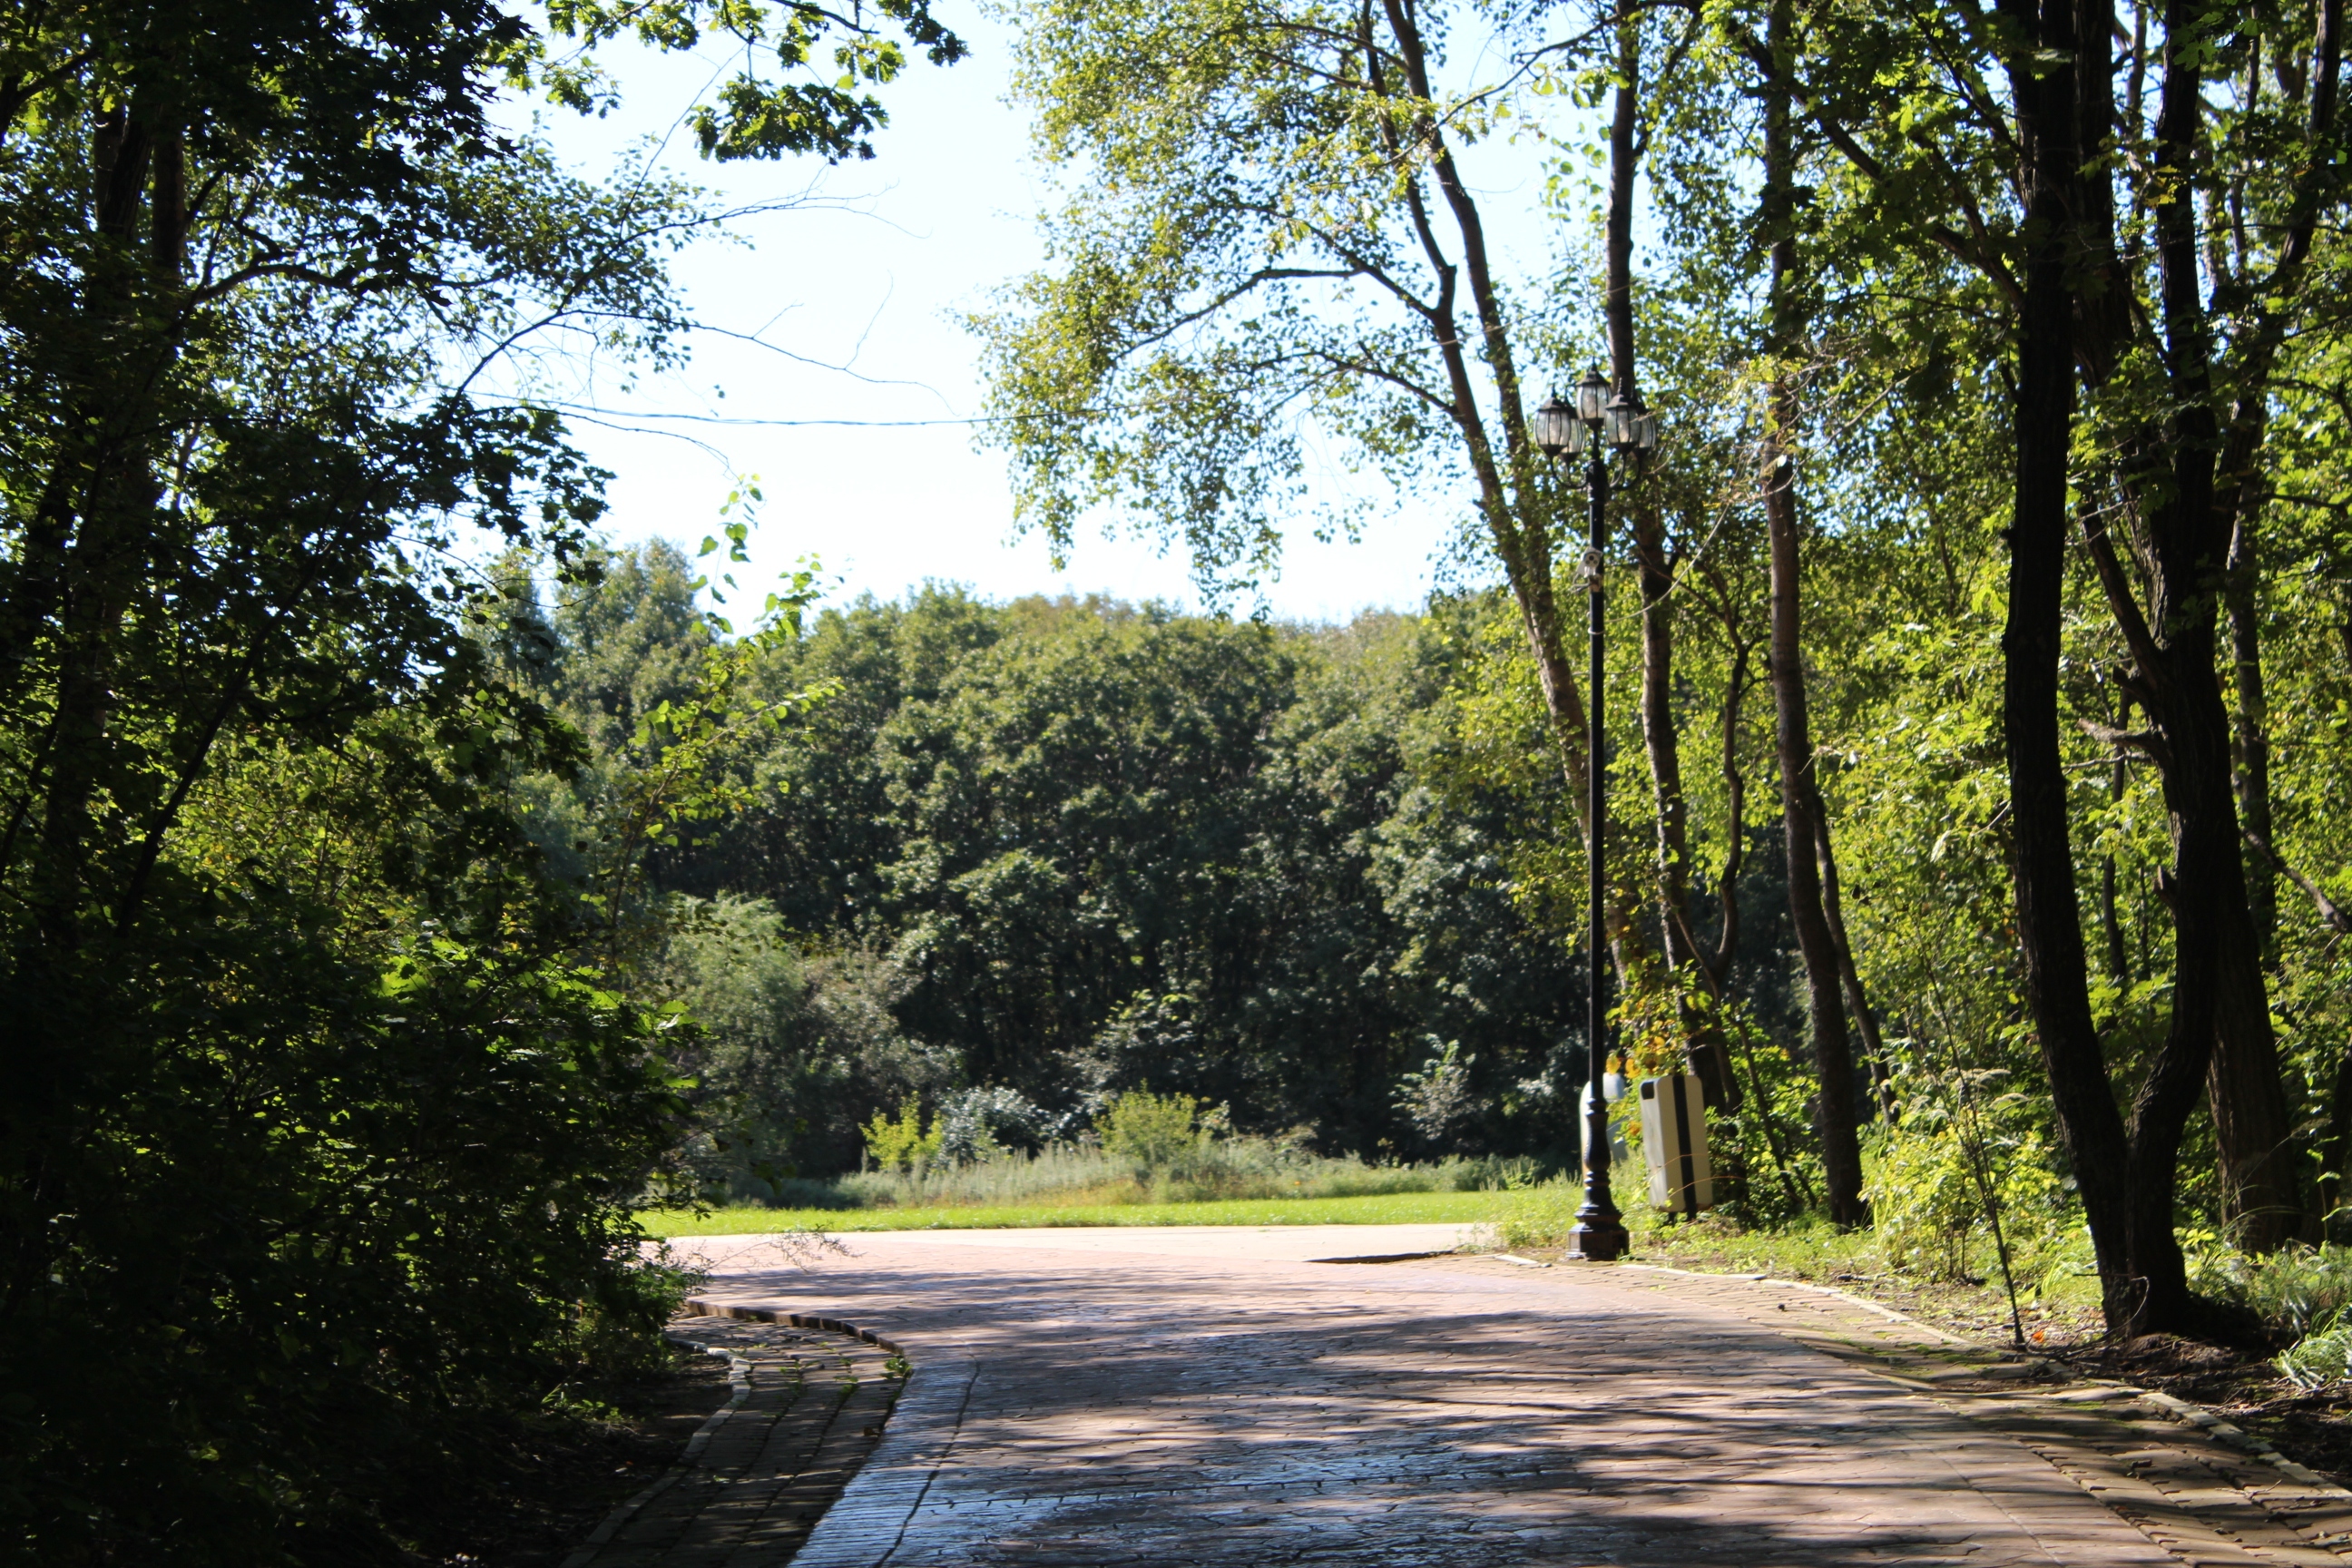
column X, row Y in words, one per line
column 1395, row 1208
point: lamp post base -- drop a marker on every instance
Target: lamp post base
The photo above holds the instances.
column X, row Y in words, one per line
column 1600, row 1239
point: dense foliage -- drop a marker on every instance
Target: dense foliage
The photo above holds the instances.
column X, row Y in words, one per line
column 1069, row 849
column 324, row 1105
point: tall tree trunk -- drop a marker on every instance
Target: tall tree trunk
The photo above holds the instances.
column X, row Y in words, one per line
column 2217, row 940
column 2250, row 1089
column 2191, row 480
column 1518, row 499
column 105, row 492
column 2076, row 305
column 1832, row 1053
column 1716, row 966
column 1709, row 1054
column 2050, row 932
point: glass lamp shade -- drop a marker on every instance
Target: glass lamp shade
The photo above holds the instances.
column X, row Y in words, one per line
column 1558, row 429
column 1646, row 433
column 1621, row 425
column 1592, row 395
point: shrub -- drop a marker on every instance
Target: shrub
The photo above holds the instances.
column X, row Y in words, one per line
column 1153, row 1132
column 2297, row 1291
column 1538, row 1214
column 902, row 1144
column 976, row 1125
column 1222, row 1168
column 1929, row 1185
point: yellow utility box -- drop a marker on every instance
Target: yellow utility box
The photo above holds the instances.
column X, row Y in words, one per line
column 1674, row 1144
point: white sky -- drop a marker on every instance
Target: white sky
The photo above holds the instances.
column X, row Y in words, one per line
column 871, row 280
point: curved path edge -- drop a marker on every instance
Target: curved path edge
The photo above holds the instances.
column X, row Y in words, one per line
column 2173, row 1477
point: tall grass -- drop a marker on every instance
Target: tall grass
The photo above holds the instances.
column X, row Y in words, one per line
column 2300, row 1293
column 2294, row 1290
column 1399, row 1208
column 1082, row 1174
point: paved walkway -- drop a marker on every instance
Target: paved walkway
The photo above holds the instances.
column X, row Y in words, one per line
column 1091, row 1399
column 807, row 1407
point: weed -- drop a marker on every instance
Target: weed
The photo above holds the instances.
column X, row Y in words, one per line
column 2321, row 1357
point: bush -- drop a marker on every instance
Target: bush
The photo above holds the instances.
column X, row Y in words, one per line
column 388, row 1211
column 1538, row 1214
column 793, row 1041
column 1929, row 1185
column 1153, row 1132
column 980, row 1124
column 1222, row 1168
column 902, row 1144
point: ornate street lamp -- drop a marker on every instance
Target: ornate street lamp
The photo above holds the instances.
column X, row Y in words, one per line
column 1594, row 426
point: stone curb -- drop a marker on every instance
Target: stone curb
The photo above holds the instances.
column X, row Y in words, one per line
column 868, row 1522
column 2220, row 1430
column 703, row 1307
column 738, row 1375
column 1848, row 1297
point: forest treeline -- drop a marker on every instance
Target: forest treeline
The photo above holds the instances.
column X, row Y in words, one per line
column 1073, row 847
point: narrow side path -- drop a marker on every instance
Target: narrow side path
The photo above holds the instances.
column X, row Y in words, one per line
column 808, row 1409
column 1084, row 1399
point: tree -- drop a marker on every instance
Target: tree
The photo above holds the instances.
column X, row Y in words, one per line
column 1657, row 559
column 1805, row 817
column 1275, row 236
column 280, row 949
column 1070, row 848
column 2181, row 387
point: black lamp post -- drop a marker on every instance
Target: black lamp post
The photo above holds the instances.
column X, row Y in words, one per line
column 1595, row 427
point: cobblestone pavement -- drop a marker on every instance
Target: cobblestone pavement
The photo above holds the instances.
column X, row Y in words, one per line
column 808, row 1408
column 1096, row 1399
column 2207, row 1492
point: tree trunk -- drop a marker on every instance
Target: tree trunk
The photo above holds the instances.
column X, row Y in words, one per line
column 1832, row 1054
column 2218, row 955
column 1519, row 502
column 2110, row 922
column 2189, row 542
column 1717, row 964
column 104, row 493
column 2335, row 1148
column 1518, row 499
column 1835, row 1118
column 2108, row 1173
column 1710, row 1056
column 1866, row 1020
